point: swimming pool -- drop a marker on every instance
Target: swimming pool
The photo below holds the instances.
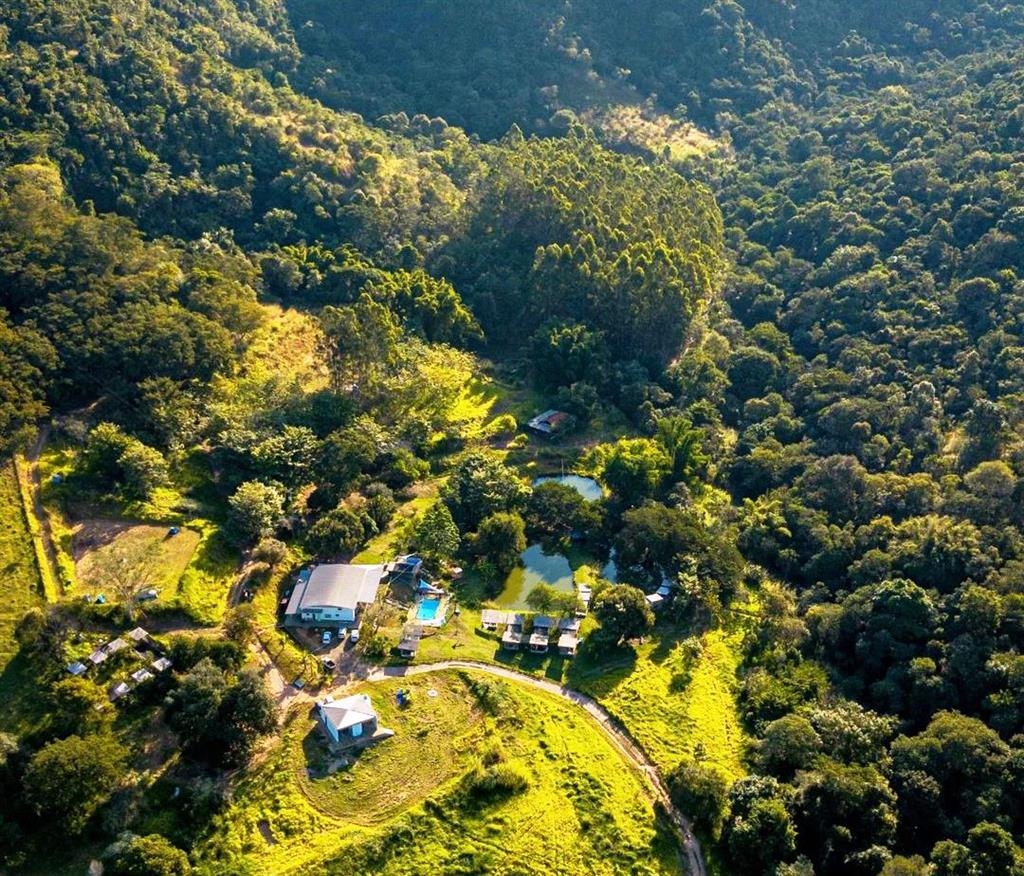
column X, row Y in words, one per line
column 427, row 609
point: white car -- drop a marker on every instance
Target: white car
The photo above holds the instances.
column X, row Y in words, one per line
column 354, row 636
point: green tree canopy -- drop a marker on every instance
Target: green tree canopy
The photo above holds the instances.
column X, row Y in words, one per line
column 70, row 779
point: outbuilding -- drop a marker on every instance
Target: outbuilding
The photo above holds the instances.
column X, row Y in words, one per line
column 349, row 720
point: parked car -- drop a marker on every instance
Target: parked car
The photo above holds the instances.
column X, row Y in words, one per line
column 354, row 636
column 146, row 595
column 326, row 637
column 329, row 664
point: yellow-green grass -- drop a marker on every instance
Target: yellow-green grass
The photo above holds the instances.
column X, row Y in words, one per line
column 204, row 585
column 383, row 548
column 291, row 659
column 435, row 737
column 22, row 590
column 26, row 494
column 58, row 459
column 676, row 698
column 402, row 808
column 462, row 638
column 98, row 541
column 289, row 341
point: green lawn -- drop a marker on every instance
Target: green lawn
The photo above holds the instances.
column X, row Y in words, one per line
column 22, row 589
column 674, row 696
column 402, row 807
column 384, row 547
column 203, row 586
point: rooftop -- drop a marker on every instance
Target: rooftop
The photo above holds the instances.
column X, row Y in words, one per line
column 493, row 616
column 349, row 711
column 336, row 585
column 549, row 421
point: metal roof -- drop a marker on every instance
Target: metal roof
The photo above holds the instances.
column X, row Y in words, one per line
column 336, row 586
column 356, row 709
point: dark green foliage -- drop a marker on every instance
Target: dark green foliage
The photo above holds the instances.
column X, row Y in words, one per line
column 700, row 789
column 858, row 390
column 558, row 510
column 500, row 539
column 845, row 817
column 220, row 719
column 187, row 651
column 69, row 780
column 633, row 468
column 146, row 856
column 494, row 783
column 26, row 358
column 435, row 535
column 340, row 532
column 628, row 250
column 623, row 613
column 479, row 486
column 759, row 832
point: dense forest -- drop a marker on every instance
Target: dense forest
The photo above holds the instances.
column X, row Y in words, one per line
column 776, row 245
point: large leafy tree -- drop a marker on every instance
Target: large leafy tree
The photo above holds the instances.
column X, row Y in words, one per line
column 479, row 486
column 70, row 779
column 435, row 535
column 255, row 509
column 623, row 613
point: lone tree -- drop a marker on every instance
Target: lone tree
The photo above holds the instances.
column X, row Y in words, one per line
column 623, row 613
column 547, row 600
column 125, row 570
column 436, row 536
column 146, row 856
column 255, row 508
column 700, row 789
column 70, row 779
column 500, row 540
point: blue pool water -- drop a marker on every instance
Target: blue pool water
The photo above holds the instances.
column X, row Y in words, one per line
column 427, row 609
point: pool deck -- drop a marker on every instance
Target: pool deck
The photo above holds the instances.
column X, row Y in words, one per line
column 440, row 616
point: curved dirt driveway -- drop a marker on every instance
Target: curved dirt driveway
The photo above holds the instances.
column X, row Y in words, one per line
column 658, row 791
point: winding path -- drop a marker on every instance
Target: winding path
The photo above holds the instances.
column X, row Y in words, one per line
column 619, row 737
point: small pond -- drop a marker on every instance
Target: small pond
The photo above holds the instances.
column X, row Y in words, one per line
column 588, row 488
column 610, row 570
column 537, row 568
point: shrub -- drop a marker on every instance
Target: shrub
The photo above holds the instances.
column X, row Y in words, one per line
column 488, row 785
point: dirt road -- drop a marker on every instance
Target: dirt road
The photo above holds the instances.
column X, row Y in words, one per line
column 621, row 739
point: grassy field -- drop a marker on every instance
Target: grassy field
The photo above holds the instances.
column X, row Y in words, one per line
column 203, row 586
column 383, row 548
column 22, row 589
column 583, row 811
column 675, row 697
column 97, row 543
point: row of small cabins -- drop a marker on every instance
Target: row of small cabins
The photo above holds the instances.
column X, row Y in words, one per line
column 142, row 642
column 539, row 639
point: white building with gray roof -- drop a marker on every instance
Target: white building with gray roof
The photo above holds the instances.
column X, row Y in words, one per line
column 332, row 594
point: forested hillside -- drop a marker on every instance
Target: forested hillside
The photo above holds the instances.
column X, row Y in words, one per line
column 766, row 254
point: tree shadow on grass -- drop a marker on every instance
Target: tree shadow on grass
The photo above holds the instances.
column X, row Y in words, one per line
column 24, row 708
column 597, row 671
